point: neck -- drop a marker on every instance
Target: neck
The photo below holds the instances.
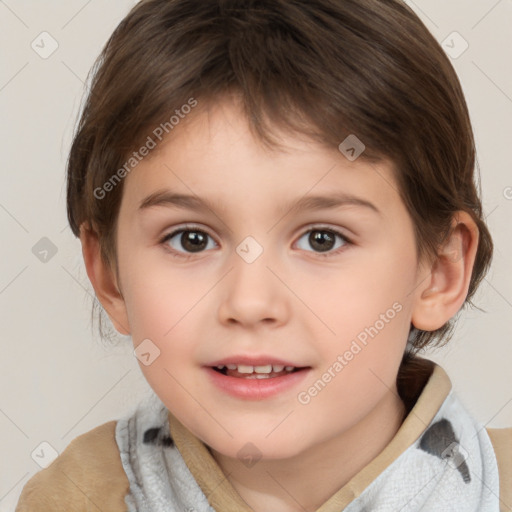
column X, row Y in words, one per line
column 326, row 467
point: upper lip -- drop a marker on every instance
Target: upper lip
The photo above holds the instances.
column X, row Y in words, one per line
column 261, row 360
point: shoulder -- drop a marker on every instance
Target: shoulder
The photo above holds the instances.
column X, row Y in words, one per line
column 501, row 439
column 87, row 475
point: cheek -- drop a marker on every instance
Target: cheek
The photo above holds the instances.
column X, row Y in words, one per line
column 359, row 370
column 166, row 309
column 355, row 297
column 159, row 299
column 163, row 319
column 369, row 312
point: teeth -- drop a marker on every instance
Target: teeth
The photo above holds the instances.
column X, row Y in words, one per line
column 263, row 369
column 242, row 368
column 260, row 370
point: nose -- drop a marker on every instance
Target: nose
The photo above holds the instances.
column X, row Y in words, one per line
column 252, row 294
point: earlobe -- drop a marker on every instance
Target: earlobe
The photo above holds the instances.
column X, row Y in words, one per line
column 445, row 286
column 103, row 280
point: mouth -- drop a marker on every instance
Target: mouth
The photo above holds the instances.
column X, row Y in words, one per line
column 259, row 381
column 268, row 371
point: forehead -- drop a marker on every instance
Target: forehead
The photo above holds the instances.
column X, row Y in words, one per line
column 214, row 154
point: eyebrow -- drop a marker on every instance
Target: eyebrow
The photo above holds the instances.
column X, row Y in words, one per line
column 170, row 199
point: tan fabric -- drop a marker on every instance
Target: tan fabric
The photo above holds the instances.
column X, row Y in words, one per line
column 502, row 442
column 223, row 497
column 86, row 477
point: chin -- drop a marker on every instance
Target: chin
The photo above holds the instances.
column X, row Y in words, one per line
column 257, row 449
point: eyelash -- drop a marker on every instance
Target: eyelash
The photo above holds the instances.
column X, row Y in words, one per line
column 186, row 256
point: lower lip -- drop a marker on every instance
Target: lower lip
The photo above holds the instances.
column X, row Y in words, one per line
column 256, row 389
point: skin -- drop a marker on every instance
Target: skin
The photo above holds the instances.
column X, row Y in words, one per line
column 291, row 302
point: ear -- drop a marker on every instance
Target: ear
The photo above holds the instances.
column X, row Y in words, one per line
column 443, row 291
column 103, row 280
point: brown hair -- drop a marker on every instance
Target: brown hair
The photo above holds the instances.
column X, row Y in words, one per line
column 323, row 68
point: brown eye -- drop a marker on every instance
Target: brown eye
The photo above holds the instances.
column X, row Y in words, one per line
column 193, row 241
column 187, row 240
column 323, row 240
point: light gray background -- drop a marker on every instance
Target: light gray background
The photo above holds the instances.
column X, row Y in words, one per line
column 58, row 381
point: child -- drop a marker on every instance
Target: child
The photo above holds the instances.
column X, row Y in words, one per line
column 321, row 152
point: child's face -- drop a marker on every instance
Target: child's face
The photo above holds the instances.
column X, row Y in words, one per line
column 291, row 303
